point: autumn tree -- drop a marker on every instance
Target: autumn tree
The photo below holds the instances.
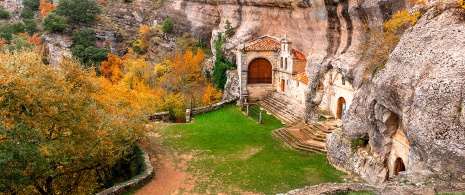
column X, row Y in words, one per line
column 111, row 69
column 212, row 95
column 45, row 8
column 61, row 130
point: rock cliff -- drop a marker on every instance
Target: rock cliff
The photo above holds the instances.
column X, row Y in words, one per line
column 417, row 95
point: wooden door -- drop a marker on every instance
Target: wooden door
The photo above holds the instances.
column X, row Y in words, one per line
column 260, row 71
column 341, row 107
column 283, row 83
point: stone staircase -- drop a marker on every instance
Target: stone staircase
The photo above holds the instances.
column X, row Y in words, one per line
column 283, row 108
column 307, row 136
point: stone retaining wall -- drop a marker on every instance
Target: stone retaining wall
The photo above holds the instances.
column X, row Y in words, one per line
column 136, row 182
column 204, row 109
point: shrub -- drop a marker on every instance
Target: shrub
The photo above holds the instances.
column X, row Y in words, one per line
column 4, row 14
column 55, row 23
column 221, row 65
column 30, row 26
column 78, row 12
column 127, row 1
column 229, row 30
column 32, row 4
column 85, row 38
column 167, row 26
column 27, row 13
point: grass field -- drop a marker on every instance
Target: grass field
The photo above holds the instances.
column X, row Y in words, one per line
column 234, row 154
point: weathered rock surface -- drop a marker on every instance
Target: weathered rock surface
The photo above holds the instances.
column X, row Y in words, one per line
column 421, row 87
column 232, row 86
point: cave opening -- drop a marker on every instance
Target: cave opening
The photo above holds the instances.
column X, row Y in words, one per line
column 399, row 166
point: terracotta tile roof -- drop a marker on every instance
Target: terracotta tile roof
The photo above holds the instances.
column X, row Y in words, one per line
column 302, row 77
column 267, row 43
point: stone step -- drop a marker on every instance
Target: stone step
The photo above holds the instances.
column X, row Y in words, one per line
column 290, row 139
column 285, row 117
column 281, row 107
column 313, row 135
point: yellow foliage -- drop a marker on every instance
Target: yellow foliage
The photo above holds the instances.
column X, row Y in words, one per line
column 139, row 45
column 461, row 3
column 212, row 95
column 400, row 18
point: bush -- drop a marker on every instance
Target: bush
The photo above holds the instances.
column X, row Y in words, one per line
column 221, row 65
column 84, row 49
column 127, row 1
column 4, row 14
column 85, row 38
column 167, row 26
column 55, row 23
column 32, row 4
column 27, row 13
column 78, row 12
column 30, row 26
column 229, row 29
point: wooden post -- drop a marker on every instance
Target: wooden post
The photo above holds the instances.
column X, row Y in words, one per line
column 247, row 110
column 260, row 118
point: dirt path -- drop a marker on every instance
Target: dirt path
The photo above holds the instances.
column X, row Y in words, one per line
column 170, row 177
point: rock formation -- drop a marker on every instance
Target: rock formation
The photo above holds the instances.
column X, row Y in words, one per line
column 416, row 99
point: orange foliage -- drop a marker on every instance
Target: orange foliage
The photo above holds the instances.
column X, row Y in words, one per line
column 34, row 39
column 102, row 2
column 144, row 29
column 111, row 69
column 45, row 8
column 2, row 42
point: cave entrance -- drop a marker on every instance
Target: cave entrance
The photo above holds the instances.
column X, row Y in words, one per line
column 341, row 107
column 399, row 166
column 260, row 71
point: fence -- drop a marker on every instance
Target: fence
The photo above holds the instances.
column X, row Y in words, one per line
column 253, row 112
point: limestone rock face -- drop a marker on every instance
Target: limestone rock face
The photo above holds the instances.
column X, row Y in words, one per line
column 420, row 91
column 232, row 86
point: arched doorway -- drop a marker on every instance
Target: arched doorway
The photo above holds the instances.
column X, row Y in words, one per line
column 341, row 107
column 259, row 71
column 399, row 166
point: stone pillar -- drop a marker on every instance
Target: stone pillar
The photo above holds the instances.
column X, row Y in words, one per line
column 188, row 115
column 243, row 71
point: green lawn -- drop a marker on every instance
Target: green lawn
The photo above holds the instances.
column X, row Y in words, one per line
column 233, row 153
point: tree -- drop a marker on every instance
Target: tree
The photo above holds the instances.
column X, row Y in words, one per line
column 61, row 130
column 167, row 26
column 45, row 8
column 221, row 65
column 78, row 12
column 212, row 95
column 30, row 26
column 4, row 14
column 34, row 39
column 229, row 30
column 84, row 37
column 32, row 4
column 111, row 69
column 27, row 13
column 55, row 23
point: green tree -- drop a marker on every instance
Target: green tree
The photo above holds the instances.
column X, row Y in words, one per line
column 4, row 14
column 27, row 13
column 78, row 12
column 32, row 4
column 229, row 29
column 221, row 64
column 30, row 26
column 167, row 26
column 85, row 38
column 55, row 23
column 90, row 56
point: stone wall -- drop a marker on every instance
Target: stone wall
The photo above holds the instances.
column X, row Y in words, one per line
column 136, row 182
column 205, row 109
column 333, row 89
